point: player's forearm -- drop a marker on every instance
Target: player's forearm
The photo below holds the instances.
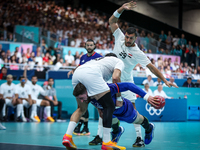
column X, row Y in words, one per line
column 155, row 71
column 114, row 19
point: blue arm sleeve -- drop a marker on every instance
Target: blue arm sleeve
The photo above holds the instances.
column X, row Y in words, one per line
column 125, row 86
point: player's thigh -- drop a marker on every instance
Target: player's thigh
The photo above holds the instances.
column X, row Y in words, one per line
column 39, row 102
column 139, row 119
column 25, row 104
column 129, row 95
column 8, row 102
column 91, row 79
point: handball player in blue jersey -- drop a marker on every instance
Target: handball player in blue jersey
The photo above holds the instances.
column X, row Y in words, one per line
column 91, row 54
column 126, row 112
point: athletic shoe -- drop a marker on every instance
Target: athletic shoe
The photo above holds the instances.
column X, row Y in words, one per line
column 19, row 119
column 24, row 119
column 111, row 146
column 50, row 119
column 149, row 136
column 37, row 118
column 68, row 142
column 97, row 140
column 33, row 119
column 85, row 131
column 2, row 127
column 77, row 131
column 116, row 137
column 139, row 142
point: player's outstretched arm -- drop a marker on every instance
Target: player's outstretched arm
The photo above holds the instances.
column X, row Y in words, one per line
column 155, row 71
column 114, row 18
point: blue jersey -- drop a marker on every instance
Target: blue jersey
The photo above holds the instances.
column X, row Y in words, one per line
column 85, row 58
column 126, row 112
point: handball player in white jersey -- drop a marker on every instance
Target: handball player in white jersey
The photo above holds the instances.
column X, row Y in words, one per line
column 93, row 75
column 127, row 50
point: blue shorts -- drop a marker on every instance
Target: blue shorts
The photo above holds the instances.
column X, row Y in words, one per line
column 126, row 113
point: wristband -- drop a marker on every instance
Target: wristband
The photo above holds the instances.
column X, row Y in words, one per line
column 116, row 14
column 119, row 99
column 146, row 97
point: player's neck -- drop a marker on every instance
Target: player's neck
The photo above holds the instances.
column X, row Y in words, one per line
column 90, row 54
column 22, row 85
column 8, row 83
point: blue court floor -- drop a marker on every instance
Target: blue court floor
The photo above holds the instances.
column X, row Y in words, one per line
column 47, row 136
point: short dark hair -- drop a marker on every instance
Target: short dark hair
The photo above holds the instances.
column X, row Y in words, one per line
column 4, row 68
column 79, row 89
column 50, row 79
column 21, row 77
column 110, row 54
column 131, row 30
column 90, row 40
column 33, row 77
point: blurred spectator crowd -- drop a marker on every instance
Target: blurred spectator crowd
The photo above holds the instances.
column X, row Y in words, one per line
column 74, row 26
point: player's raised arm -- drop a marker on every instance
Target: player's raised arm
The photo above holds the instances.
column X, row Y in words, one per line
column 114, row 18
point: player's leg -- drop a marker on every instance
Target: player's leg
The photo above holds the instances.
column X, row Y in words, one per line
column 77, row 130
column 117, row 130
column 85, row 130
column 139, row 141
column 34, row 112
column 149, row 127
column 1, row 107
column 19, row 109
column 27, row 105
column 47, row 109
column 67, row 138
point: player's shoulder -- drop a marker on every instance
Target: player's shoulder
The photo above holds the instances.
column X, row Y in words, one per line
column 97, row 54
column 3, row 84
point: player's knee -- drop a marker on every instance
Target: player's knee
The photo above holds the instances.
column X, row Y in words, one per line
column 34, row 102
column 107, row 102
column 46, row 103
column 19, row 101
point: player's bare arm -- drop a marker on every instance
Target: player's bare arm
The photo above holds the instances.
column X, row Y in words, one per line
column 114, row 18
column 155, row 71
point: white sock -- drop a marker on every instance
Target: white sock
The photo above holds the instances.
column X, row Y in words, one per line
column 47, row 111
column 138, row 130
column 4, row 110
column 19, row 109
column 22, row 113
column 71, row 127
column 100, row 127
column 33, row 111
column 106, row 134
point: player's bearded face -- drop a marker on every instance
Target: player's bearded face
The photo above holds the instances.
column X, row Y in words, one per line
column 130, row 39
column 89, row 46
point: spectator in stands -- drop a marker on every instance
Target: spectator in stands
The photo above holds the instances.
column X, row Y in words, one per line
column 197, row 84
column 147, row 89
column 175, row 40
column 148, row 80
column 31, row 57
column 195, row 75
column 46, row 58
column 8, row 54
column 3, row 55
column 38, row 59
column 159, row 81
column 189, row 51
column 69, row 59
column 3, row 72
column 1, row 48
column 160, row 92
column 59, row 64
column 51, row 93
column 28, row 54
column 170, row 80
column 44, row 46
column 149, row 51
column 19, row 55
column 188, row 83
column 143, row 48
column 162, row 37
column 58, row 45
column 169, row 41
column 182, row 42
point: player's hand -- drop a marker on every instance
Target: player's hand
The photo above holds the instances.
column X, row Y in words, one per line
column 169, row 84
column 69, row 73
column 153, row 101
column 129, row 6
column 55, row 102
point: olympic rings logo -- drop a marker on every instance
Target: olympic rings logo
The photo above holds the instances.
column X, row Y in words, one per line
column 152, row 111
column 28, row 34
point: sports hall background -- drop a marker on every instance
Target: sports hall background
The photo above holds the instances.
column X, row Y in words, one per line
column 45, row 32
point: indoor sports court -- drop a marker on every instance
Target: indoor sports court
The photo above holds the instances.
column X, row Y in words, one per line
column 48, row 136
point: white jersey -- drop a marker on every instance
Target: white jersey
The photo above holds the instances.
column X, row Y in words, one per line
column 131, row 56
column 7, row 90
column 22, row 92
column 105, row 66
column 35, row 90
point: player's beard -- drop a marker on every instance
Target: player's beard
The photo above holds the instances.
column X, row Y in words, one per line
column 130, row 44
column 90, row 51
